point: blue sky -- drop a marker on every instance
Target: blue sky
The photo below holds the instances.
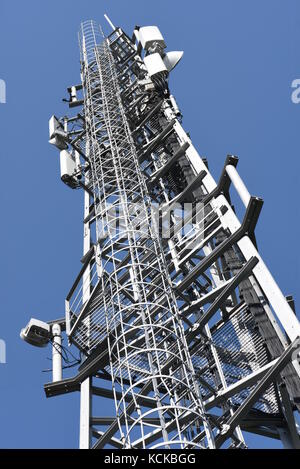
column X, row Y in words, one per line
column 234, row 89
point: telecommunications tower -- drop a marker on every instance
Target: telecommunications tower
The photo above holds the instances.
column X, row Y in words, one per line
column 184, row 335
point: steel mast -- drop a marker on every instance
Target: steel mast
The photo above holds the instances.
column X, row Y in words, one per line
column 181, row 325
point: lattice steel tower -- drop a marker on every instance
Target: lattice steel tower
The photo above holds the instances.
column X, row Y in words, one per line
column 179, row 322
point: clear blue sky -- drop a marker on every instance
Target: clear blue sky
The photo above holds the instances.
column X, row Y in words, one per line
column 233, row 86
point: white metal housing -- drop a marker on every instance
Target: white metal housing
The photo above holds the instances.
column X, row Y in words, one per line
column 67, row 165
column 148, row 35
column 36, row 333
column 155, row 64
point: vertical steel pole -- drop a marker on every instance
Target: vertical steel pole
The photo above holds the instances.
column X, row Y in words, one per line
column 85, row 387
column 85, row 414
column 56, row 353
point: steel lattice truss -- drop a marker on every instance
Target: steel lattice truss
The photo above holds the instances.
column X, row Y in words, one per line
column 191, row 330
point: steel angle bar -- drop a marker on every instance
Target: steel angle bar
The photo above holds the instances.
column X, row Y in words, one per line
column 186, row 192
column 109, row 420
column 155, row 176
column 248, row 381
column 289, row 416
column 143, row 121
column 145, row 401
column 209, row 225
column 261, row 431
column 205, row 299
column 260, row 388
column 115, row 442
column 258, row 419
column 247, row 226
column 235, row 281
column 72, row 384
column 184, row 257
column 143, row 153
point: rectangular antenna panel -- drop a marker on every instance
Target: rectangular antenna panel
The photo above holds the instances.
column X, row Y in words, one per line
column 150, row 34
column 154, row 64
column 67, row 164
